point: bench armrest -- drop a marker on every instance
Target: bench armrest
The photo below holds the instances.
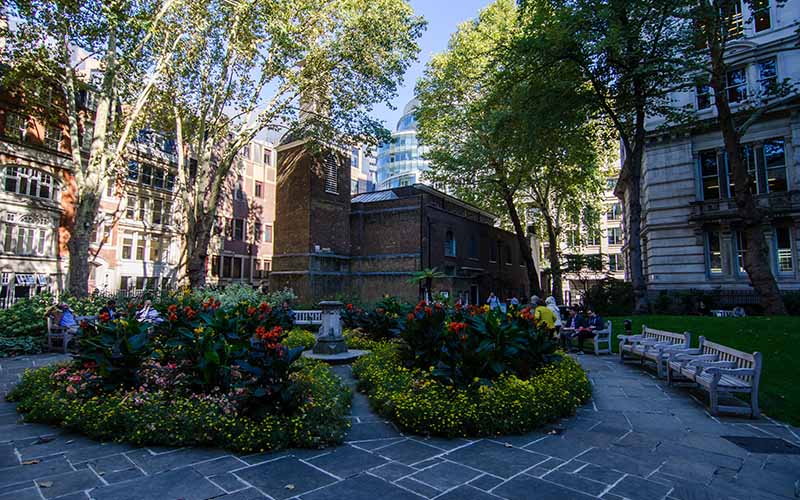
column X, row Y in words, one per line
column 629, row 338
column 736, row 372
column 702, row 359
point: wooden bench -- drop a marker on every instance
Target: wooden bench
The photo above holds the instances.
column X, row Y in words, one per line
column 57, row 335
column 602, row 337
column 719, row 369
column 653, row 345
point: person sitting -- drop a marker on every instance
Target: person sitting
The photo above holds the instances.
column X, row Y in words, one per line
column 67, row 320
column 148, row 314
column 514, row 302
column 544, row 318
column 111, row 309
column 493, row 301
column 593, row 323
column 573, row 323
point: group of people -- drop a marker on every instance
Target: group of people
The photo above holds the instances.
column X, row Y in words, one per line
column 65, row 318
column 547, row 314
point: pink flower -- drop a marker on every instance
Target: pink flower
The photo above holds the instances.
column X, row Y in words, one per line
column 71, row 390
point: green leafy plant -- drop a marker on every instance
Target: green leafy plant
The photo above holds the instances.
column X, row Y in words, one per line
column 117, row 348
column 298, row 337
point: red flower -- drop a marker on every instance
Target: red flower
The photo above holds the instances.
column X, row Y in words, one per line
column 104, row 317
column 264, row 307
column 456, row 327
column 428, row 311
column 438, row 306
column 410, row 317
column 458, row 306
column 173, row 317
column 84, row 324
column 172, row 308
column 349, row 307
column 251, row 311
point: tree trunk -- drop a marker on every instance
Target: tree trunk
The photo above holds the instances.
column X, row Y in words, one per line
column 198, row 239
column 78, row 246
column 756, row 259
column 534, row 287
column 554, row 256
column 634, row 230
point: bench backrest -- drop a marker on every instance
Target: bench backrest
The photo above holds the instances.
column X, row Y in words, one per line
column 308, row 317
column 750, row 361
column 665, row 336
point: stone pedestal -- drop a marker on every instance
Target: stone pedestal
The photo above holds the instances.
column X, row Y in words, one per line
column 330, row 339
column 330, row 346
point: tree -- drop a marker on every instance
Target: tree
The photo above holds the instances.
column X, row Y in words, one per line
column 46, row 49
column 632, row 54
column 458, row 122
column 246, row 66
column 714, row 26
column 426, row 276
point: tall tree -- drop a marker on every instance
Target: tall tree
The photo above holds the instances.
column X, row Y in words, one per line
column 632, row 53
column 458, row 122
column 46, row 49
column 715, row 23
column 246, row 66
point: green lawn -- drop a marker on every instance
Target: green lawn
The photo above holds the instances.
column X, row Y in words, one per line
column 778, row 340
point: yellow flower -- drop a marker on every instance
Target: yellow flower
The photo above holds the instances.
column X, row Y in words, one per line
column 198, row 330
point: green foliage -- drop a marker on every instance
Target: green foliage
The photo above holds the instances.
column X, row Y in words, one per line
column 358, row 339
column 419, row 403
column 117, row 349
column 163, row 417
column 20, row 346
column 299, row 337
column 610, row 297
column 380, row 323
column 465, row 347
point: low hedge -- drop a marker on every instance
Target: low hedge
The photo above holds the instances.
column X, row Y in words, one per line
column 163, row 418
column 418, row 403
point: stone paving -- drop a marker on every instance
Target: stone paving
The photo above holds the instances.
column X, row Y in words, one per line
column 637, row 439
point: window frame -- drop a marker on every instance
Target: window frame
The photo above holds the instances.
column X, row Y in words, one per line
column 713, row 271
column 777, row 252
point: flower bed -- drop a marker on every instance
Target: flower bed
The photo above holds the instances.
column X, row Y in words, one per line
column 207, row 375
column 457, row 372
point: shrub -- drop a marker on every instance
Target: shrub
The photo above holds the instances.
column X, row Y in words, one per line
column 418, row 402
column 160, row 416
column 18, row 346
column 299, row 337
column 380, row 323
column 357, row 339
column 611, row 297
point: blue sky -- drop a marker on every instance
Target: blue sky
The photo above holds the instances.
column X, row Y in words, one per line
column 443, row 18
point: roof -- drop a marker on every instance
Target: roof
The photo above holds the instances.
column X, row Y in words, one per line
column 375, row 196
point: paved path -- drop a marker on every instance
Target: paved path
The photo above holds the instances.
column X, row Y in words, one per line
column 637, row 440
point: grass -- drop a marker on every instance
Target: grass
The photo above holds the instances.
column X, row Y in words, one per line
column 778, row 340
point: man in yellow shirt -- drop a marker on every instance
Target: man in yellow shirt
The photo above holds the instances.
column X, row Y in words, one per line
column 543, row 317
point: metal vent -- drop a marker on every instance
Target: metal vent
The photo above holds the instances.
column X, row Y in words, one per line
column 331, row 174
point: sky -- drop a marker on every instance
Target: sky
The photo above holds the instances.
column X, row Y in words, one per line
column 443, row 18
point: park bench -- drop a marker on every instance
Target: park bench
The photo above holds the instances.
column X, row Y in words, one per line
column 653, row 345
column 308, row 317
column 719, row 369
column 602, row 337
column 57, row 336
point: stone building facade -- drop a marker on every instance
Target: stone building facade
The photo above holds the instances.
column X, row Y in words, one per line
column 330, row 244
column 690, row 238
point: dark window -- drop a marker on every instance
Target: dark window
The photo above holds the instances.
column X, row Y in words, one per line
column 170, row 184
column 236, row 268
column 473, row 247
column 259, row 189
column 711, row 175
column 761, row 15
column 493, row 253
column 775, row 161
column 158, row 178
column 449, row 244
column 509, row 259
column 133, row 170
column 257, row 233
column 614, row 236
column 768, row 75
column 705, row 97
column 238, row 229
column 267, row 233
column 147, row 175
column 736, row 85
column 783, row 246
column 734, row 22
column 714, row 252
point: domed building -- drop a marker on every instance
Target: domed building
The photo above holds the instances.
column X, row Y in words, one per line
column 401, row 162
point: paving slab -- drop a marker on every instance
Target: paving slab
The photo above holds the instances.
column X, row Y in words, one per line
column 525, row 487
column 409, row 452
column 285, row 478
column 347, row 461
column 186, row 484
column 446, row 475
column 496, row 459
column 361, row 487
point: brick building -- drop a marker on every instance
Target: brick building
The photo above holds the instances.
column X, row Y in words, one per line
column 330, row 244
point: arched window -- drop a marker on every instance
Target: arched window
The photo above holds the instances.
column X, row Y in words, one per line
column 449, row 244
column 30, row 182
